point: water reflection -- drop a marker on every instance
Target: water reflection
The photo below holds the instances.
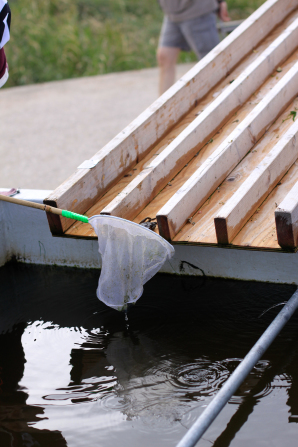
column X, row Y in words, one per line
column 92, row 378
column 264, row 385
column 291, row 371
column 15, row 416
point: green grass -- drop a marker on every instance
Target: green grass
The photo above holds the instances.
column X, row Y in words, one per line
column 60, row 39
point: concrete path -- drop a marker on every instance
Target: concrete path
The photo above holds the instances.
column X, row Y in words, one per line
column 47, row 130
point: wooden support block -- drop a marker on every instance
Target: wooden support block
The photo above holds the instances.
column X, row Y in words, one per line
column 286, row 220
column 235, row 213
column 214, row 170
column 154, row 177
column 79, row 192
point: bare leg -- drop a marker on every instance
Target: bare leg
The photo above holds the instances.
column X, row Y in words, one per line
column 167, row 58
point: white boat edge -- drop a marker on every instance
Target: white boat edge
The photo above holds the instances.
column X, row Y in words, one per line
column 26, row 237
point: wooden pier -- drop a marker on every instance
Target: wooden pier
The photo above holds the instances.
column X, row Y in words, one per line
column 214, row 159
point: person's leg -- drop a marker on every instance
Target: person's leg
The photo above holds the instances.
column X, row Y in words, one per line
column 170, row 43
column 167, row 58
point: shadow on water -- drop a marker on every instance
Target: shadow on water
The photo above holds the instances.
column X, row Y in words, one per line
column 70, row 366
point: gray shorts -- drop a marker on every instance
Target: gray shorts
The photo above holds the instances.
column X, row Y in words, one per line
column 199, row 34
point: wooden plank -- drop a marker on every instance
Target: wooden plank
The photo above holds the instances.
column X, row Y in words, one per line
column 156, row 175
column 260, row 230
column 85, row 186
column 278, row 128
column 286, row 220
column 202, row 104
column 214, row 170
column 201, row 228
column 177, row 182
column 235, row 213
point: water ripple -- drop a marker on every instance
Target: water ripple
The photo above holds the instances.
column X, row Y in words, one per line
column 89, row 391
column 202, row 377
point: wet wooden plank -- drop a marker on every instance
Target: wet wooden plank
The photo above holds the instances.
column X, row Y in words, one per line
column 213, row 171
column 286, row 220
column 85, row 186
column 234, row 214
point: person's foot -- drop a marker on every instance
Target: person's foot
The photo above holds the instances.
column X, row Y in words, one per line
column 3, row 68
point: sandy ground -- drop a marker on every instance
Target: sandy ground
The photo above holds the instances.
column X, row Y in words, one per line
column 47, row 130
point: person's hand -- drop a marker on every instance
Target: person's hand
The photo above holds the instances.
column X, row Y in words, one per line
column 223, row 12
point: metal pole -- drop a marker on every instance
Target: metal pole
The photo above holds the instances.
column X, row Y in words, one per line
column 241, row 372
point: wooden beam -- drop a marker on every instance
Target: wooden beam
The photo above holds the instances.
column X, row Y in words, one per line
column 235, row 213
column 79, row 192
column 214, row 170
column 154, row 177
column 286, row 220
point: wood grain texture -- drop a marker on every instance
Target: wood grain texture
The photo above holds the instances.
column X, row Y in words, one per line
column 214, row 170
column 201, row 229
column 156, row 175
column 286, row 220
column 175, row 183
column 85, row 186
column 201, row 106
column 257, row 186
column 260, row 230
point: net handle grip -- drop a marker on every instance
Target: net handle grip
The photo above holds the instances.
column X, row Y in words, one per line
column 43, row 207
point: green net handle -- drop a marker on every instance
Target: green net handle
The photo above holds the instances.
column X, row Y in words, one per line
column 75, row 216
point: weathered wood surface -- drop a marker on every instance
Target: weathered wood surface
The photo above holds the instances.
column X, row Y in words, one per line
column 86, row 186
column 236, row 141
column 260, row 230
column 203, row 232
column 255, row 233
column 207, row 150
column 286, row 219
column 157, row 174
column 235, row 213
column 187, row 171
column 213, row 171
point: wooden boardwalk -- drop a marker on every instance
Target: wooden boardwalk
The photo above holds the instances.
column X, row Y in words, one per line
column 215, row 158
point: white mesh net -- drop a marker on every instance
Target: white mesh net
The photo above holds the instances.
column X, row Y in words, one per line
column 131, row 255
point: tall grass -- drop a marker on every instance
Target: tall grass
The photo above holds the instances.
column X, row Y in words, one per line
column 59, row 39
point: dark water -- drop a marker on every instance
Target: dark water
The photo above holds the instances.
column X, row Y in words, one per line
column 74, row 372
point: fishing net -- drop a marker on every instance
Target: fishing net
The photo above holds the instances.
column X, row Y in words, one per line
column 131, row 254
